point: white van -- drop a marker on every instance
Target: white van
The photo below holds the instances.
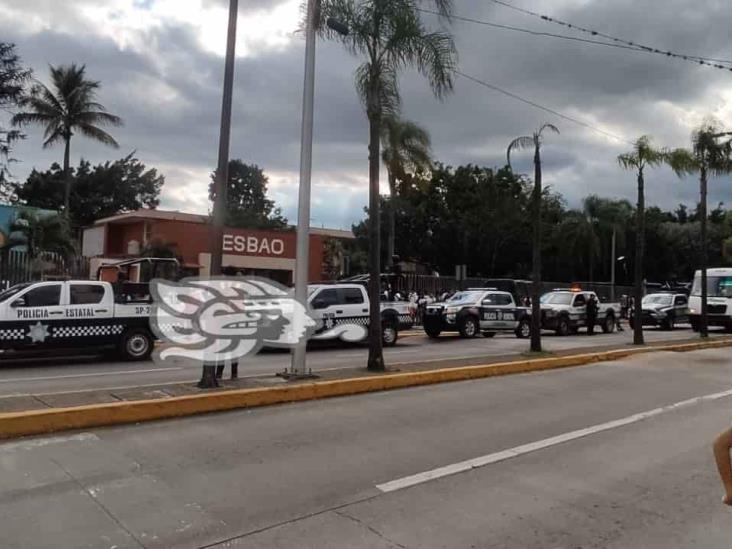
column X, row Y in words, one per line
column 719, row 299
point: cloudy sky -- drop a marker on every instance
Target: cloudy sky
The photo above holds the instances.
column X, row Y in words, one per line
column 161, row 65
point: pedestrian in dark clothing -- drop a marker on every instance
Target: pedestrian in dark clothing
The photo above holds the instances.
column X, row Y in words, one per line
column 591, row 315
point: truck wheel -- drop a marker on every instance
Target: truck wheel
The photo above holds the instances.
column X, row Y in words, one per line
column 523, row 330
column 608, row 326
column 136, row 344
column 468, row 327
column 563, row 327
column 695, row 324
column 389, row 334
column 489, row 334
column 432, row 332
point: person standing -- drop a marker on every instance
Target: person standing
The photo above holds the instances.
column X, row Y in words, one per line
column 591, row 309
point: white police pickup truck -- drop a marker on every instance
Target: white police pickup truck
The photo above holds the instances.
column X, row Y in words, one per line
column 75, row 314
column 477, row 310
column 342, row 312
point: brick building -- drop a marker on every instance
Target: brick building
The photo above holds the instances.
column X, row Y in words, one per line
column 264, row 253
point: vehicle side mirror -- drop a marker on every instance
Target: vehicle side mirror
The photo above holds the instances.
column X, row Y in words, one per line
column 318, row 304
column 20, row 302
column 487, row 302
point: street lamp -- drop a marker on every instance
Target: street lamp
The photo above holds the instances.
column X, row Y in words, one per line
column 302, row 258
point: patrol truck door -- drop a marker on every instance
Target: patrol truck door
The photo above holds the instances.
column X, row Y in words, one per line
column 498, row 312
column 35, row 313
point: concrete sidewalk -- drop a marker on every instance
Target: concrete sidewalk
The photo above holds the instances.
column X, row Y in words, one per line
column 45, row 401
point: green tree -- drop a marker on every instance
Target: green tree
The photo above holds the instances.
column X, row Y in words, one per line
column 44, row 233
column 707, row 157
column 14, row 79
column 69, row 105
column 528, row 142
column 406, row 149
column 641, row 157
column 247, row 204
column 96, row 192
column 390, row 36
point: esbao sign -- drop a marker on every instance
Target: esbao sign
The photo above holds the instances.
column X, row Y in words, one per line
column 253, row 245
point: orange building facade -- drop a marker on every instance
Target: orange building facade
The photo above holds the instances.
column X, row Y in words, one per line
column 253, row 252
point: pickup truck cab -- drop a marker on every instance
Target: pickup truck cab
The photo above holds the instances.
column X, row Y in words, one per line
column 565, row 312
column 75, row 314
column 341, row 305
column 477, row 310
column 664, row 310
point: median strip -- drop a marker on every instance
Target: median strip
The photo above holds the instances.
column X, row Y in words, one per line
column 35, row 422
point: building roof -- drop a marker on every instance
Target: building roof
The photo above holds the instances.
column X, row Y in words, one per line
column 144, row 213
column 163, row 215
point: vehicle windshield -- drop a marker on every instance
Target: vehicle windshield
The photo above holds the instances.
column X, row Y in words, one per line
column 464, row 297
column 717, row 286
column 13, row 290
column 557, row 298
column 658, row 299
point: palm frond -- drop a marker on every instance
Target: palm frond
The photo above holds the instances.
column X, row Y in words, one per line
column 683, row 162
column 98, row 134
column 548, row 126
column 523, row 142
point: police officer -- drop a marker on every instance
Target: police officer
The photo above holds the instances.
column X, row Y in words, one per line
column 591, row 315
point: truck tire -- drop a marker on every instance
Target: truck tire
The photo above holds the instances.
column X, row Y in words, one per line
column 608, row 325
column 389, row 333
column 136, row 344
column 669, row 324
column 469, row 327
column 695, row 323
column 563, row 327
column 432, row 332
column 523, row 330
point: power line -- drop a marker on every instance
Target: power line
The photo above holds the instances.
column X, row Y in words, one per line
column 542, row 107
column 707, row 61
column 535, row 33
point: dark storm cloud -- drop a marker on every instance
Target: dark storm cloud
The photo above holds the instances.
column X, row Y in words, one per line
column 168, row 92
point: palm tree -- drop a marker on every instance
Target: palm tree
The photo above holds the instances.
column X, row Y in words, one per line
column 406, row 149
column 527, row 142
column 390, row 36
column 707, row 157
column 641, row 157
column 68, row 106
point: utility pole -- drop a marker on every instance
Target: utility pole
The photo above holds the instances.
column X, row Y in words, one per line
column 612, row 266
column 302, row 257
column 208, row 378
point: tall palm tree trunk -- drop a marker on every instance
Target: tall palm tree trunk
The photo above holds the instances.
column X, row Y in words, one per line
column 67, row 176
column 376, row 355
column 391, row 212
column 640, row 238
column 536, row 259
column 704, row 324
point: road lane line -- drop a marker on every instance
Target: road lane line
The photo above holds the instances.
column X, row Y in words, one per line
column 510, row 453
column 99, row 374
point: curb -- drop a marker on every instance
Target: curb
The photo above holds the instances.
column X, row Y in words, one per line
column 36, row 422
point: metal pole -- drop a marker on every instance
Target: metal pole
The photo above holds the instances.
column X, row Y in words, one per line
column 208, row 378
column 298, row 366
column 612, row 268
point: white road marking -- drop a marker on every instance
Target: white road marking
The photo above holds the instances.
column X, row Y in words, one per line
column 98, row 374
column 461, row 467
column 39, row 442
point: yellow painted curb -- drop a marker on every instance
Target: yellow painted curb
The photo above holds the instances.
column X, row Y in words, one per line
column 35, row 422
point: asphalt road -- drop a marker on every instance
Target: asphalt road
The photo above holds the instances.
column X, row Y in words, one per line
column 74, row 373
column 612, row 455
